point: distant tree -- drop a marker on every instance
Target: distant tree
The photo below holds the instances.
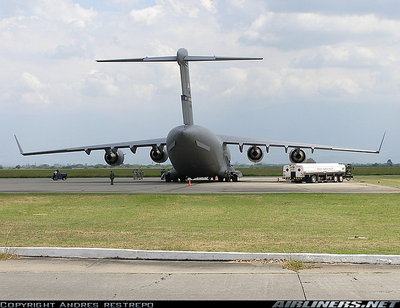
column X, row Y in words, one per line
column 389, row 162
column 1, row 167
column 18, row 167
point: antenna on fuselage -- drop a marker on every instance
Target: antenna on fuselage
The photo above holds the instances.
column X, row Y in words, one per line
column 182, row 58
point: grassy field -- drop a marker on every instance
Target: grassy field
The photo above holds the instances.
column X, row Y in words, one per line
column 393, row 181
column 75, row 173
column 155, row 172
column 325, row 223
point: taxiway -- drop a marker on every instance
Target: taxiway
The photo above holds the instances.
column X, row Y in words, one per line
column 251, row 185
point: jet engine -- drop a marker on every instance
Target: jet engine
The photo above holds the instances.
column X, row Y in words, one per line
column 297, row 156
column 114, row 157
column 255, row 154
column 158, row 155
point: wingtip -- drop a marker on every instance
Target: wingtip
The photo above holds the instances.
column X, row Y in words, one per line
column 19, row 145
column 380, row 146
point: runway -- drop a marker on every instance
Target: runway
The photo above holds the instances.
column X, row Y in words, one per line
column 250, row 185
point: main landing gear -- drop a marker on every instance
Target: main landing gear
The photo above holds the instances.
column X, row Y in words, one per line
column 171, row 176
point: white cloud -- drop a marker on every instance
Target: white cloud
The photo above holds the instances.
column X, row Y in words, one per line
column 237, row 79
column 148, row 16
column 35, row 91
column 65, row 11
column 99, row 84
column 33, row 82
column 339, row 55
column 303, row 30
column 209, row 5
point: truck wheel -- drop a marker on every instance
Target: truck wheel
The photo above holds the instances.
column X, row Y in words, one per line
column 313, row 178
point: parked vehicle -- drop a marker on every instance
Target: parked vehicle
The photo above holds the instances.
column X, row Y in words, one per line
column 317, row 172
column 59, row 176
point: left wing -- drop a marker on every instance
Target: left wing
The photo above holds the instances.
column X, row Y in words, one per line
column 132, row 145
column 286, row 145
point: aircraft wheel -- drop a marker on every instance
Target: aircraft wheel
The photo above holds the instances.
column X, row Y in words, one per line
column 313, row 178
column 234, row 178
column 340, row 179
column 335, row 178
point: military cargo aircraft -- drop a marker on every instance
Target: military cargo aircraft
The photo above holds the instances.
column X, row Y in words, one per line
column 195, row 151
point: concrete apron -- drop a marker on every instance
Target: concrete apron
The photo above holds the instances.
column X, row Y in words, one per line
column 108, row 253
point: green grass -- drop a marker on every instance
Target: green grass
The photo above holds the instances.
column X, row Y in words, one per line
column 262, row 171
column 393, row 181
column 295, row 266
column 75, row 173
column 325, row 223
column 376, row 170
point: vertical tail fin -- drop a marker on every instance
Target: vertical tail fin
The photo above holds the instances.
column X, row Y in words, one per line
column 183, row 58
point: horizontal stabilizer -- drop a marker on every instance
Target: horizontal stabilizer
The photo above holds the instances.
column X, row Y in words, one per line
column 214, row 58
column 146, row 59
column 175, row 58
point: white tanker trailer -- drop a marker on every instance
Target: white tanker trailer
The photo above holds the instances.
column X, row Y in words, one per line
column 317, row 172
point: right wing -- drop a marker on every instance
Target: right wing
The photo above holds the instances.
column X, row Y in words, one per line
column 132, row 145
column 240, row 141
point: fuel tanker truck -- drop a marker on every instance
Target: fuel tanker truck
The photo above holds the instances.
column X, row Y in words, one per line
column 317, row 172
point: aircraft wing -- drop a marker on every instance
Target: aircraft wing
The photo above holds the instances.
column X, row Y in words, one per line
column 286, row 145
column 132, row 145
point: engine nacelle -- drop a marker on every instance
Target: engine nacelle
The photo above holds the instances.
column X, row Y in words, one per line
column 297, row 156
column 114, row 157
column 158, row 156
column 255, row 154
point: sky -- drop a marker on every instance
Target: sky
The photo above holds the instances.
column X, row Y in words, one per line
column 330, row 75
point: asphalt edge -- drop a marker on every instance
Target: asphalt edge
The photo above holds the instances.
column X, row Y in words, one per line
column 131, row 254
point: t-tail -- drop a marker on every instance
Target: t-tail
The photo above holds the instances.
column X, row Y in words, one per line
column 182, row 58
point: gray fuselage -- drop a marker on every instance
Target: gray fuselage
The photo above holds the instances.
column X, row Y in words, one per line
column 195, row 151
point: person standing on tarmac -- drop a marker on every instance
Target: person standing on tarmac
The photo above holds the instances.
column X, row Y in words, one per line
column 112, row 177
